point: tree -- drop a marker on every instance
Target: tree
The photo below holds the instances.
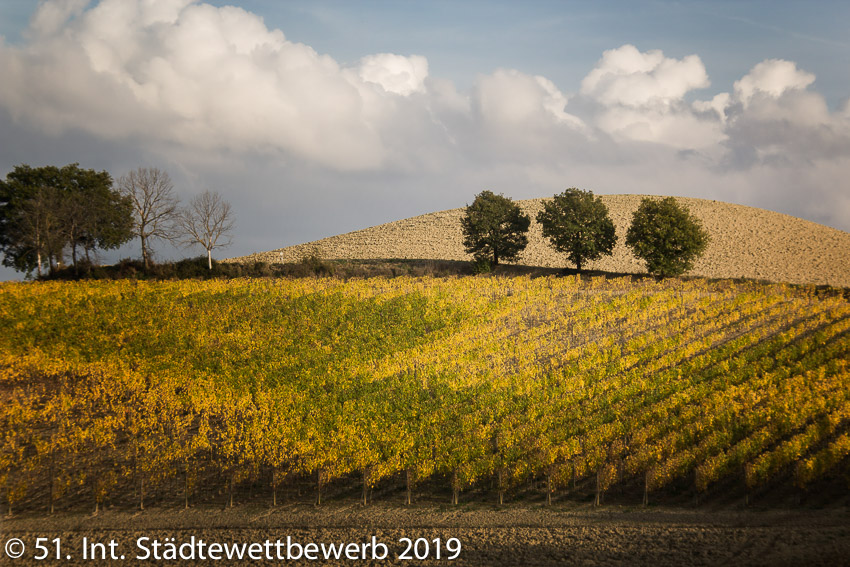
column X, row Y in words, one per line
column 103, row 218
column 666, row 236
column 37, row 226
column 43, row 210
column 31, row 197
column 577, row 224
column 208, row 222
column 494, row 228
column 155, row 207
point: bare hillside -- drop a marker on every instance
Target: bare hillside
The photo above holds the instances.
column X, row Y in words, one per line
column 745, row 242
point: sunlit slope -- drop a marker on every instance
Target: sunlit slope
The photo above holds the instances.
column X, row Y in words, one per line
column 746, row 242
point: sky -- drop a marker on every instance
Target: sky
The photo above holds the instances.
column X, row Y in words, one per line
column 315, row 118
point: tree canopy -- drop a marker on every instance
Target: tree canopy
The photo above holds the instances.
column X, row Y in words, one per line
column 494, row 228
column 577, row 224
column 46, row 210
column 666, row 236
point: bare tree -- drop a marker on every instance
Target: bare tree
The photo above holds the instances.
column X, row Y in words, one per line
column 208, row 222
column 155, row 207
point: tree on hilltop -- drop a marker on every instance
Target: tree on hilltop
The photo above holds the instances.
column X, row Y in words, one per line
column 666, row 236
column 494, row 228
column 577, row 224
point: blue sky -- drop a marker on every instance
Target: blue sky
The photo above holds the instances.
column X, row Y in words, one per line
column 562, row 40
column 317, row 118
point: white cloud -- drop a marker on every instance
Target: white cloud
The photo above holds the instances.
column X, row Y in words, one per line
column 510, row 98
column 682, row 129
column 717, row 104
column 189, row 73
column 771, row 77
column 798, row 107
column 640, row 96
column 395, row 73
column 773, row 118
column 628, row 77
column 50, row 17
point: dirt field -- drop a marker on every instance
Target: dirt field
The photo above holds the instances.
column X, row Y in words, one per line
column 576, row 535
column 745, row 243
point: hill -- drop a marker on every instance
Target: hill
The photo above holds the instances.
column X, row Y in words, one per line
column 746, row 243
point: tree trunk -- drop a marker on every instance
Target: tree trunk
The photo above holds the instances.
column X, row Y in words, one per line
column 209, row 258
column 74, row 256
column 141, row 493
column 548, row 489
column 135, row 468
column 646, row 488
column 230, row 490
column 798, row 484
column 598, row 500
column 274, row 487
column 52, row 480
column 455, row 488
column 365, row 487
column 501, row 489
column 319, row 488
column 408, row 480
column 186, row 489
column 144, row 252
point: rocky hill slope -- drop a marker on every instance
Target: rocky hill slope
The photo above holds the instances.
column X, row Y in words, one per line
column 745, row 242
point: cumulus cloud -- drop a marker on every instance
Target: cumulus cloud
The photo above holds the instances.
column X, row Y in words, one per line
column 628, row 77
column 683, row 129
column 395, row 73
column 510, row 98
column 194, row 74
column 187, row 73
column 717, row 105
column 771, row 117
column 772, row 78
column 640, row 96
column 51, row 16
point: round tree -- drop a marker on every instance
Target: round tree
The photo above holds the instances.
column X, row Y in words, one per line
column 494, row 228
column 666, row 236
column 577, row 224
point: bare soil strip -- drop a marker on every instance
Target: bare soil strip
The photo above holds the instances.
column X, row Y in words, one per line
column 509, row 536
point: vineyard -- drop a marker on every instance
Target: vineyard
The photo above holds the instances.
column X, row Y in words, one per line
column 468, row 381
